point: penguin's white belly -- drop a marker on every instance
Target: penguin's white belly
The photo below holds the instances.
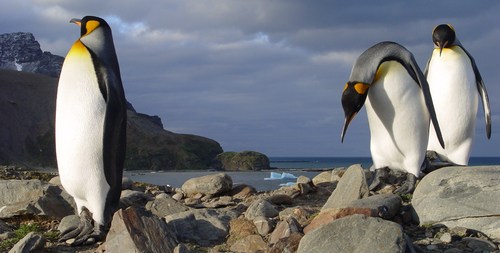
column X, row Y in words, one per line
column 455, row 97
column 80, row 116
column 398, row 120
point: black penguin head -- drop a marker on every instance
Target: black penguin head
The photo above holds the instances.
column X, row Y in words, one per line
column 88, row 24
column 443, row 36
column 353, row 99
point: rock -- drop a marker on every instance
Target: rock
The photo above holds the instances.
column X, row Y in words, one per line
column 30, row 243
column 261, row 207
column 355, row 233
column 215, row 184
column 162, row 207
column 18, row 197
column 323, row 177
column 219, row 202
column 479, row 244
column 4, row 227
column 460, row 196
column 246, row 160
column 178, row 196
column 21, row 52
column 288, row 244
column 328, row 215
column 55, row 181
column 68, row 223
column 124, row 235
column 133, row 198
column 387, row 204
column 250, row 243
column 205, row 227
column 351, row 187
column 337, row 174
column 284, row 229
column 280, row 199
column 305, row 188
column 127, row 183
column 242, row 191
column 303, row 180
column 264, row 225
column 181, row 248
column 302, row 214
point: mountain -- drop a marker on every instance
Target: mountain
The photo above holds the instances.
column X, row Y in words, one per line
column 20, row 51
column 27, row 112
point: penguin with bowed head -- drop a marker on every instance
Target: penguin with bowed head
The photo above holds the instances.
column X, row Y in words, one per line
column 387, row 79
column 455, row 84
column 91, row 129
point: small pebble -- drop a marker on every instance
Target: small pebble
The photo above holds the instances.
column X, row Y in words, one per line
column 446, row 238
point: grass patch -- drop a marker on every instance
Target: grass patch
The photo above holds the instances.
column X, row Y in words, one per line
column 20, row 233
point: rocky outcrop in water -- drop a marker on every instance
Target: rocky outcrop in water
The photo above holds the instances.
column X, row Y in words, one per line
column 20, row 51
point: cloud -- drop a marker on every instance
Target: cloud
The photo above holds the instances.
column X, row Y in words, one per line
column 262, row 75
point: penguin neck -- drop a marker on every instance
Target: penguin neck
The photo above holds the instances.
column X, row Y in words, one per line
column 101, row 45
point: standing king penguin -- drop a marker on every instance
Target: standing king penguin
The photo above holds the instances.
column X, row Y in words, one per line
column 455, row 84
column 91, row 129
column 388, row 80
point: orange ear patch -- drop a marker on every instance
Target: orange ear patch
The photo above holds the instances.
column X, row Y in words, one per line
column 361, row 88
column 91, row 25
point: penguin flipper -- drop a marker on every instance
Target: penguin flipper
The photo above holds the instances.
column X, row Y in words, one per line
column 414, row 70
column 114, row 137
column 483, row 93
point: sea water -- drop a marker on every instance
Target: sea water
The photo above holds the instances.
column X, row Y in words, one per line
column 296, row 166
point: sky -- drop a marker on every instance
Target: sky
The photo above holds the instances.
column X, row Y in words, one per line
column 264, row 75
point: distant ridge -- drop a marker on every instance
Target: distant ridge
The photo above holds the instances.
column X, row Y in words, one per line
column 20, row 51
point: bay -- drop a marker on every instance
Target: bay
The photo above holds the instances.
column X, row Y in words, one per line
column 306, row 166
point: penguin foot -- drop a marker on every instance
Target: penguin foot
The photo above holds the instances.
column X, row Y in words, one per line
column 408, row 186
column 380, row 175
column 432, row 162
column 85, row 233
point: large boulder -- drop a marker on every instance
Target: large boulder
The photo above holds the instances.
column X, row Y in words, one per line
column 214, row 184
column 357, row 234
column 19, row 197
column 352, row 186
column 246, row 160
column 133, row 230
column 460, row 196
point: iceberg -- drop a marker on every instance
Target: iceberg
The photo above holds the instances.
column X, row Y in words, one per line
column 280, row 176
column 288, row 184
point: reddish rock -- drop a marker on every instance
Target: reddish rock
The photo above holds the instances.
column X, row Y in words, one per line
column 331, row 214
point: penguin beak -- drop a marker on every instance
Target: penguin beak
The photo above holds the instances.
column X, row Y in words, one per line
column 442, row 45
column 76, row 21
column 347, row 121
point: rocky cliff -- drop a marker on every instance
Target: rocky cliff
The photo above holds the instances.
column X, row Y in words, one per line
column 27, row 111
column 20, row 51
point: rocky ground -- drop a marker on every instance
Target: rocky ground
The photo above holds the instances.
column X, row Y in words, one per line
column 451, row 210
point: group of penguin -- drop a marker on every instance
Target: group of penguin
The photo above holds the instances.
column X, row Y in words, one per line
column 401, row 102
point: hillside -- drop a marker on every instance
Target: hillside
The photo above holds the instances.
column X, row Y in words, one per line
column 27, row 110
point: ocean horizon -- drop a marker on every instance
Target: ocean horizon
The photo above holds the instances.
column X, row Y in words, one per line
column 294, row 166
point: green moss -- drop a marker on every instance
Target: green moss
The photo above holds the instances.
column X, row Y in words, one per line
column 20, row 233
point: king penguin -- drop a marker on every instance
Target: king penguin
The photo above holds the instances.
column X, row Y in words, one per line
column 455, row 85
column 91, row 129
column 387, row 79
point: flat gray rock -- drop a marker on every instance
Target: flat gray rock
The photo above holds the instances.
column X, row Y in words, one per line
column 461, row 196
column 165, row 206
column 355, row 234
column 261, row 207
column 352, row 186
column 205, row 227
